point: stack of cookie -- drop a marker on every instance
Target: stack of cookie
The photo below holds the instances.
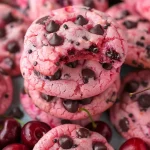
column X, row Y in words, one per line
column 71, row 60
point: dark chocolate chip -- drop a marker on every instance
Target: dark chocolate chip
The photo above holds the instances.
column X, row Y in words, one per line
column 124, row 124
column 85, row 38
column 65, row 142
column 87, row 74
column 72, row 64
column 65, row 26
column 56, row 76
column 37, row 73
column 138, row 43
column 142, row 38
column 83, row 133
column 86, row 101
column 144, row 101
column 144, row 83
column 93, row 49
column 8, row 18
column 16, row 113
column 130, row 115
column 2, row 32
column 71, row 52
column 66, row 122
column 55, row 140
column 47, row 98
column 112, row 54
column 107, row 25
column 42, row 20
column 13, row 47
column 98, row 29
column 130, row 24
column 107, row 66
column 71, row 105
column 99, row 146
column 56, row 40
column 29, row 51
column 131, row 86
column 148, row 50
column 6, row 95
column 89, row 3
column 80, row 20
column 77, row 43
column 52, row 26
column 9, row 62
column 35, row 63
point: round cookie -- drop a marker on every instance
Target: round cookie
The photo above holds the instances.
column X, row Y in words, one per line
column 13, row 26
column 69, row 109
column 36, row 114
column 129, row 115
column 81, row 54
column 72, row 137
column 6, row 91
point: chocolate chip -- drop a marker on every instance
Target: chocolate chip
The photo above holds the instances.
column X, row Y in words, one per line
column 77, row 43
column 52, row 26
column 107, row 25
column 13, row 47
column 86, row 101
column 89, row 3
column 130, row 24
column 85, row 38
column 144, row 83
column 107, row 66
column 131, row 86
column 83, row 133
column 56, row 40
column 71, row 105
column 99, row 146
column 42, row 20
column 6, row 95
column 8, row 18
column 148, row 50
column 97, row 30
column 80, row 20
column 74, row 146
column 66, row 122
column 124, row 14
column 71, row 52
column 65, row 26
column 47, row 98
column 35, row 63
column 55, row 140
column 16, row 113
column 72, row 64
column 93, row 49
column 138, row 43
column 56, row 76
column 29, row 51
column 143, row 20
column 112, row 54
column 144, row 100
column 65, row 142
column 124, row 124
column 9, row 62
column 2, row 32
column 130, row 115
column 87, row 74
column 142, row 38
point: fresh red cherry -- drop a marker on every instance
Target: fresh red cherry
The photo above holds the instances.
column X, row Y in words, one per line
column 10, row 132
column 134, row 144
column 15, row 147
column 102, row 128
column 32, row 132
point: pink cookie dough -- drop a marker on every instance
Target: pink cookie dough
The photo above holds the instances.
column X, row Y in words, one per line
column 36, row 114
column 6, row 91
column 13, row 26
column 69, row 109
column 130, row 115
column 72, row 137
column 82, row 54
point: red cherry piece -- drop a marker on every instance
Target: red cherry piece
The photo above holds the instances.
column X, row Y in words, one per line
column 15, row 147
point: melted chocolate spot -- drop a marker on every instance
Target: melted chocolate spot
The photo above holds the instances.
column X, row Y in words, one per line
column 65, row 26
column 144, row 100
column 71, row 105
column 80, row 20
column 66, row 122
column 52, row 27
column 97, row 30
column 65, row 142
column 138, row 43
column 130, row 24
column 112, row 54
column 2, row 32
column 16, row 113
column 72, row 64
column 88, row 3
column 9, row 62
column 93, row 49
column 47, row 98
column 86, row 101
column 56, row 40
column 42, row 20
column 99, row 146
column 124, row 124
column 131, row 86
column 107, row 66
column 13, row 47
column 8, row 18
column 56, row 76
column 87, row 74
column 83, row 133
column 29, row 51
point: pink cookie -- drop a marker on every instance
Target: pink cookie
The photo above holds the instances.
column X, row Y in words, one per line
column 69, row 109
column 13, row 26
column 37, row 8
column 6, row 91
column 81, row 54
column 36, row 114
column 72, row 137
column 129, row 115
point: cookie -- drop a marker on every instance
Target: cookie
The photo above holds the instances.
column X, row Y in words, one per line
column 81, row 54
column 6, row 91
column 13, row 26
column 130, row 115
column 36, row 114
column 72, row 137
column 69, row 109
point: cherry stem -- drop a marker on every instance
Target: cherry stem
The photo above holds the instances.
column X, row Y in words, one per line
column 90, row 116
column 132, row 94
